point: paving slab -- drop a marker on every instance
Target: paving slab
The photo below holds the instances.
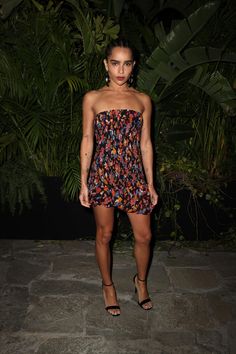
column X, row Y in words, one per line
column 158, row 279
column 118, row 327
column 16, row 343
column 181, row 311
column 4, row 266
column 212, row 339
column 62, row 287
column 232, row 337
column 14, row 302
column 194, row 279
column 184, row 258
column 22, row 272
column 56, row 315
column 51, row 301
column 65, row 345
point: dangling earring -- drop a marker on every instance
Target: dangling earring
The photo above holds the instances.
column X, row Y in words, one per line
column 107, row 79
column 131, row 79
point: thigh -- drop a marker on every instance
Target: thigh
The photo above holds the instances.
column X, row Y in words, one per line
column 104, row 217
column 141, row 224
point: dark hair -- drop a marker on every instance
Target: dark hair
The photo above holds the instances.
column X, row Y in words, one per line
column 119, row 42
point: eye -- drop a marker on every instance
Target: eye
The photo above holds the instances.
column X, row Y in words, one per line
column 128, row 64
column 114, row 64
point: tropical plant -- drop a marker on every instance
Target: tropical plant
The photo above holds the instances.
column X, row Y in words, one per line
column 186, row 65
column 47, row 63
column 184, row 80
column 7, row 6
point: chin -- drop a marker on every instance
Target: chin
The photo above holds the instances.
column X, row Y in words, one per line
column 121, row 83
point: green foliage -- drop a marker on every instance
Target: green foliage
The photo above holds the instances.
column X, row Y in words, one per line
column 172, row 58
column 195, row 156
column 48, row 58
column 19, row 184
column 7, row 6
column 190, row 82
column 185, row 175
column 51, row 54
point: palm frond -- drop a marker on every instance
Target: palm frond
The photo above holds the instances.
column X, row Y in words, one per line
column 71, row 181
column 84, row 25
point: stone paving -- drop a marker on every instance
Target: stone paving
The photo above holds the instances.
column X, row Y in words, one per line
column 51, row 301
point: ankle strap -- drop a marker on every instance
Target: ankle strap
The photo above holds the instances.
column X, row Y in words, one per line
column 107, row 284
column 144, row 281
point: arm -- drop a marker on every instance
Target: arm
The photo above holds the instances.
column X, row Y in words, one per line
column 147, row 149
column 86, row 147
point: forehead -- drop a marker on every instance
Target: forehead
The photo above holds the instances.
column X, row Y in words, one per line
column 121, row 54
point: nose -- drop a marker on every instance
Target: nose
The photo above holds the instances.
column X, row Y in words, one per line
column 121, row 69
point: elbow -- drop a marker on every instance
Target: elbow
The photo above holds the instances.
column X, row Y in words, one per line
column 87, row 141
column 146, row 146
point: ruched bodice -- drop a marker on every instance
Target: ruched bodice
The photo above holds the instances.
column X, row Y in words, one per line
column 116, row 176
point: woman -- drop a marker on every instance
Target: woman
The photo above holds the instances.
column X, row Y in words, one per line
column 121, row 173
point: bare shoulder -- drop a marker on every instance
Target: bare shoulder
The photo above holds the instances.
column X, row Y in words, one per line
column 144, row 98
column 93, row 96
column 90, row 96
column 90, row 99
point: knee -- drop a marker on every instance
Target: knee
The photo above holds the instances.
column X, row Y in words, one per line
column 143, row 238
column 104, row 235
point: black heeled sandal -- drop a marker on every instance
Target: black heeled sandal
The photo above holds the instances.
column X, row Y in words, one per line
column 145, row 301
column 111, row 307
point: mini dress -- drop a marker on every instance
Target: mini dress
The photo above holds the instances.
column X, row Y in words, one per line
column 116, row 177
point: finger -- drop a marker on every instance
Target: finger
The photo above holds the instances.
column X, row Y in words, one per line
column 154, row 200
column 85, row 204
column 84, row 201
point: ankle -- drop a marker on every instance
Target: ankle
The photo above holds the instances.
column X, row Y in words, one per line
column 141, row 280
column 108, row 284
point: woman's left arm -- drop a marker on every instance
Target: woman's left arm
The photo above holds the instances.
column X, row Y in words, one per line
column 147, row 149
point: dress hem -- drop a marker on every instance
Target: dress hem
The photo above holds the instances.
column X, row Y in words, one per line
column 123, row 209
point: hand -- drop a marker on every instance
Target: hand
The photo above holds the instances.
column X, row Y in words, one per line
column 153, row 195
column 83, row 197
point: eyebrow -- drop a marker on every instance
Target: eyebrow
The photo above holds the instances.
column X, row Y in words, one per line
column 117, row 61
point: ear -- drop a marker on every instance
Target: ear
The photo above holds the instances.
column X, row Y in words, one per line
column 105, row 64
column 134, row 62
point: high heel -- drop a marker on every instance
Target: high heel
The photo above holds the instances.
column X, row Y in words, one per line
column 111, row 307
column 145, row 301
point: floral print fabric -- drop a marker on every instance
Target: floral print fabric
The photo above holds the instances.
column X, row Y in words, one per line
column 116, row 176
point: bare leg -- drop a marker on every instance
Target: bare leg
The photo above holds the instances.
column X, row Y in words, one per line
column 104, row 218
column 141, row 226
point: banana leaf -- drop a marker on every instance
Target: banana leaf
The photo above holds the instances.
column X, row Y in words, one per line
column 7, row 6
column 191, row 57
column 182, row 34
column 166, row 57
column 215, row 85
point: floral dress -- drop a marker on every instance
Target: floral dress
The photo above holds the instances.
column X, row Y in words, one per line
column 116, row 177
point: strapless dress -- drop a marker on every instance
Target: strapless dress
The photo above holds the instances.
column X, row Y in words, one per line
column 116, row 177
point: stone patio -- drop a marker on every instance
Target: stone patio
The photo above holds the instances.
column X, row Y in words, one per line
column 51, row 301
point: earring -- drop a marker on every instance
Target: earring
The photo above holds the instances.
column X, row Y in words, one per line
column 107, row 79
column 131, row 79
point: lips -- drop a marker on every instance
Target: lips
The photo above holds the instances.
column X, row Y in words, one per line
column 120, row 78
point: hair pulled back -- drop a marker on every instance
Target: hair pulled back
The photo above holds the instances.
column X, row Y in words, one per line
column 119, row 42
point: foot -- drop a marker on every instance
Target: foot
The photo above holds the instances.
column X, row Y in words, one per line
column 110, row 299
column 143, row 297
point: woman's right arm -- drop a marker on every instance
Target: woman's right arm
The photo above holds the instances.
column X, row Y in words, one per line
column 86, row 147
